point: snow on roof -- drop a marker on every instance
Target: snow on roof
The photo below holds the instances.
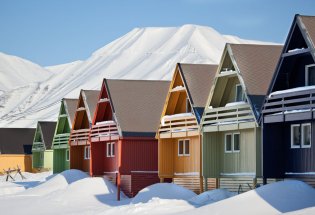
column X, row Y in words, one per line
column 296, row 89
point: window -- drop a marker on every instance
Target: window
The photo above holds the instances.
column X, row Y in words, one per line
column 67, row 155
column 110, row 149
column 236, row 142
column 301, row 136
column 228, row 143
column 232, row 143
column 87, row 152
column 306, row 135
column 183, row 148
column 188, row 107
column 239, row 95
column 310, row 75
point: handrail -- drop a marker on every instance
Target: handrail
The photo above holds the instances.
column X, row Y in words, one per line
column 176, row 124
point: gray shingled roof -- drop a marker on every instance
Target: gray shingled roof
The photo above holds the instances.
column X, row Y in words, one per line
column 70, row 106
column 16, row 140
column 48, row 131
column 137, row 105
column 257, row 64
column 309, row 23
column 90, row 98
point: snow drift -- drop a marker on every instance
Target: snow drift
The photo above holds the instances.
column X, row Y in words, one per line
column 163, row 191
column 143, row 53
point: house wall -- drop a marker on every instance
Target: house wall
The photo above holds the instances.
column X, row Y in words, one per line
column 60, row 164
column 138, row 155
column 13, row 160
column 38, row 160
column 100, row 163
column 77, row 160
column 217, row 162
column 48, row 159
column 169, row 161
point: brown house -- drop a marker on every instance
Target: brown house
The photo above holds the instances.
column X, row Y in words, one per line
column 79, row 136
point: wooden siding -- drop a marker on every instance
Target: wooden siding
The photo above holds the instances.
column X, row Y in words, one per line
column 77, row 160
column 171, row 164
column 193, row 183
column 216, row 162
column 60, row 162
column 100, row 163
column 38, row 160
column 141, row 180
column 13, row 160
column 138, row 155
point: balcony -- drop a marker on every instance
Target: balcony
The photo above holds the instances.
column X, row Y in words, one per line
column 61, row 141
column 79, row 137
column 38, row 147
column 104, row 131
column 178, row 125
column 290, row 105
column 236, row 115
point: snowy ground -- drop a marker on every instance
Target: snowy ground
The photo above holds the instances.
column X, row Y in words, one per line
column 74, row 192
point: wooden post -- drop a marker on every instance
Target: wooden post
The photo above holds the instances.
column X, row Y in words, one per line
column 161, row 180
column 217, row 183
column 201, row 184
column 254, row 182
column 205, row 184
column 264, row 180
column 118, row 186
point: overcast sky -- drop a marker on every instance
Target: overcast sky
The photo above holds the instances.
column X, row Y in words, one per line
column 60, row 31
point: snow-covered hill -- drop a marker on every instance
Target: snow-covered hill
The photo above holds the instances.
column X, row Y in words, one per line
column 143, row 53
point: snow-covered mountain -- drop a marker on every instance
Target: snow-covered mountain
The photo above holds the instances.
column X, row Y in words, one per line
column 143, row 53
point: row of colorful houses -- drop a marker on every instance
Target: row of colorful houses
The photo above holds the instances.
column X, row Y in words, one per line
column 247, row 121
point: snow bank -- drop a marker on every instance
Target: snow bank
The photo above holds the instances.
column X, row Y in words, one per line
column 211, row 196
column 163, row 191
column 56, row 182
column 275, row 198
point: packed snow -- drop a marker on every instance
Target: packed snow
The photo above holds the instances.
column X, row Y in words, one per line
column 74, row 192
column 174, row 117
column 297, row 89
column 30, row 93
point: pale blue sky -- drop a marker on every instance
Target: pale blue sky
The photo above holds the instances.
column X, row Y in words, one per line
column 59, row 31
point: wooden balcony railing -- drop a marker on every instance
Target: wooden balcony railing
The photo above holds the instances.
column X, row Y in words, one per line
column 38, row 146
column 228, row 115
column 79, row 137
column 179, row 126
column 282, row 106
column 104, row 132
column 61, row 140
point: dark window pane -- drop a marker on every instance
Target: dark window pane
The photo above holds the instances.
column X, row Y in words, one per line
column 236, row 142
column 311, row 75
column 187, row 147
column 306, row 135
column 180, row 147
column 228, row 143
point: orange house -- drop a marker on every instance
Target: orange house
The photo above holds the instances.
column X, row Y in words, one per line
column 179, row 135
column 79, row 136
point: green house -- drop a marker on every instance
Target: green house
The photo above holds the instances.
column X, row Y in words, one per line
column 60, row 146
column 41, row 149
column 231, row 138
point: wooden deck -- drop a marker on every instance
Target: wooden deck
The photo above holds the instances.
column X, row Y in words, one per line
column 104, row 132
column 290, row 106
column 61, row 141
column 179, row 127
column 79, row 137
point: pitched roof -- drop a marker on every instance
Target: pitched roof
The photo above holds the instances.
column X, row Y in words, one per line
column 256, row 64
column 16, row 140
column 48, row 131
column 309, row 23
column 90, row 98
column 198, row 79
column 137, row 105
column 70, row 107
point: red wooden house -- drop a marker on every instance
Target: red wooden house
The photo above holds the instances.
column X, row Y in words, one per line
column 79, row 136
column 123, row 144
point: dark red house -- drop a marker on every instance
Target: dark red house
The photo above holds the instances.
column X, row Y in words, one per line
column 123, row 144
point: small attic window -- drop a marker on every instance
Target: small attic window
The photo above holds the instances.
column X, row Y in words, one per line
column 239, row 94
column 310, row 75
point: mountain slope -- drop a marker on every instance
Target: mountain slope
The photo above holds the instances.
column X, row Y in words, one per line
column 143, row 53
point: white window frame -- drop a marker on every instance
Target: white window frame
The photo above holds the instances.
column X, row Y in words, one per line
column 110, row 149
column 242, row 99
column 67, row 153
column 231, row 142
column 302, row 135
column 306, row 73
column 292, row 136
column 184, row 148
column 87, row 152
column 237, row 133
